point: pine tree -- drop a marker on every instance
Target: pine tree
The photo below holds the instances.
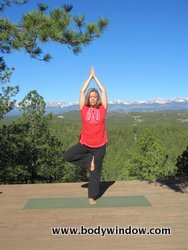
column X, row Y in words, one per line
column 44, row 152
column 148, row 160
column 7, row 93
column 13, row 153
column 182, row 165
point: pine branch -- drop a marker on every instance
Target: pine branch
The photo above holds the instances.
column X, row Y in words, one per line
column 37, row 27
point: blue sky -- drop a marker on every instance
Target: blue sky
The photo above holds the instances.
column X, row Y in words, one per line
column 142, row 55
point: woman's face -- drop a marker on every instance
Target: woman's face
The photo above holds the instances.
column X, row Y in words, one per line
column 93, row 98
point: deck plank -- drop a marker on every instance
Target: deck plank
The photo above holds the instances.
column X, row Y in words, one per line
column 31, row 229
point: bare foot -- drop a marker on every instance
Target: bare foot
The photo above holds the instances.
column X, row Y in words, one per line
column 92, row 167
column 92, row 201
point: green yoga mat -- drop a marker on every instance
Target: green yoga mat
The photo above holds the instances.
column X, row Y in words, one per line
column 82, row 202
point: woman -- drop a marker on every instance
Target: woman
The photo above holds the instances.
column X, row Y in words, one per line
column 91, row 148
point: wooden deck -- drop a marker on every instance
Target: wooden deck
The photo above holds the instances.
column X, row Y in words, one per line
column 31, row 229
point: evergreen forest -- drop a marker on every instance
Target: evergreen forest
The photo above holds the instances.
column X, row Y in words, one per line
column 144, row 146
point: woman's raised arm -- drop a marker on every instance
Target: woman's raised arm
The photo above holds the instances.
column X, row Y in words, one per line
column 83, row 89
column 102, row 89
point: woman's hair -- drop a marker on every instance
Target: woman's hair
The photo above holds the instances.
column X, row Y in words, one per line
column 88, row 95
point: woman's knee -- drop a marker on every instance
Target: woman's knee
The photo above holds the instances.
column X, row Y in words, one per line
column 66, row 156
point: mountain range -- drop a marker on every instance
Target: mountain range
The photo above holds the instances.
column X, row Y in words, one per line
column 155, row 105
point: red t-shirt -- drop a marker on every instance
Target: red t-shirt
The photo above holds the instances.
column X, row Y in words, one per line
column 93, row 132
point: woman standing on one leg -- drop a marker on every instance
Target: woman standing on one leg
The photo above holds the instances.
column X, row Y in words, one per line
column 91, row 148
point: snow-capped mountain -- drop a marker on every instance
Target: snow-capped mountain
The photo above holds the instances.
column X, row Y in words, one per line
column 158, row 100
column 159, row 104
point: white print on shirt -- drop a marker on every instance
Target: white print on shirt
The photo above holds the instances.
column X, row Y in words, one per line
column 93, row 115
